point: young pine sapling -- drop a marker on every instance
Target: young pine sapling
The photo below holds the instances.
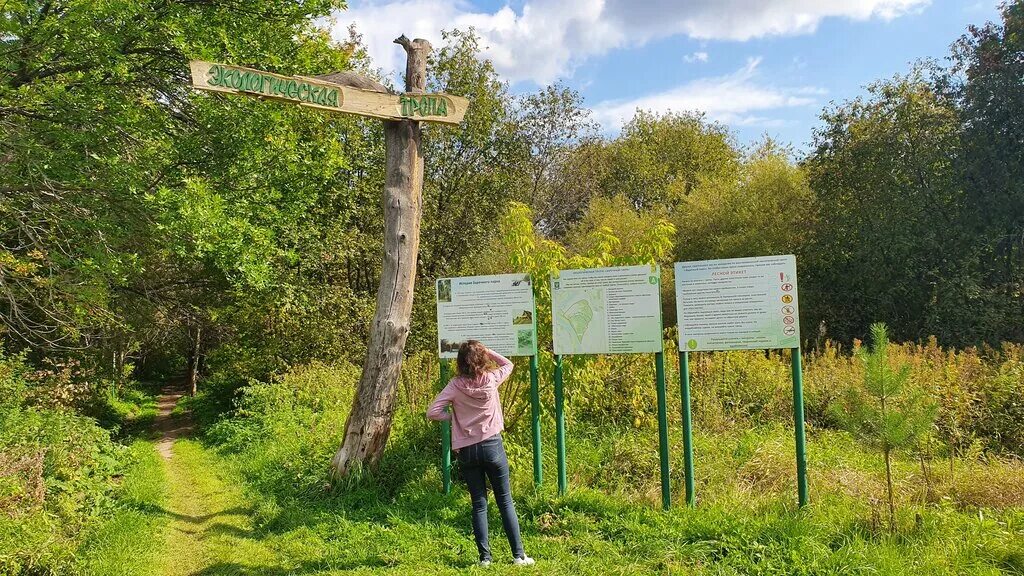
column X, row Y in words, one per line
column 886, row 411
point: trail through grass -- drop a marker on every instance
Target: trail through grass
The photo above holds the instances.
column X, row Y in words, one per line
column 209, row 531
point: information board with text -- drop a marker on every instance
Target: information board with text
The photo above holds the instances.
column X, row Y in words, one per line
column 737, row 304
column 607, row 310
column 497, row 310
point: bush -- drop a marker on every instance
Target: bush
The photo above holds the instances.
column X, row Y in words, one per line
column 288, row 429
column 57, row 472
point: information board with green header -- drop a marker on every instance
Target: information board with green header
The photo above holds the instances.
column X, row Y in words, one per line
column 607, row 310
column 497, row 310
column 737, row 304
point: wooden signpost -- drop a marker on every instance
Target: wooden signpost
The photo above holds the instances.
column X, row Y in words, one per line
column 369, row 422
column 317, row 93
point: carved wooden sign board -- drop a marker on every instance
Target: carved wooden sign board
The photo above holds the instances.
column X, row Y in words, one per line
column 316, row 93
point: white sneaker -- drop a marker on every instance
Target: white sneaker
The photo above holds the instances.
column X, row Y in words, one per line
column 524, row 561
column 485, row 563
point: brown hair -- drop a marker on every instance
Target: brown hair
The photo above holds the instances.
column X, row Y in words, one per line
column 473, row 359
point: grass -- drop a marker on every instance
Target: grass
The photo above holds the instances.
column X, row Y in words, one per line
column 210, row 529
column 125, row 543
column 130, row 410
column 251, row 498
column 395, row 520
column 745, row 523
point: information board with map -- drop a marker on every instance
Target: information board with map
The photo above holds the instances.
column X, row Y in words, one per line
column 737, row 304
column 607, row 310
column 496, row 310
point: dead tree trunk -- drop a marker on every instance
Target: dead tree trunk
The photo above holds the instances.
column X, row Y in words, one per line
column 369, row 422
column 193, row 361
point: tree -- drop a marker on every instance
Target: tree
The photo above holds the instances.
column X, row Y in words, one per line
column 768, row 209
column 986, row 82
column 552, row 123
column 369, row 422
column 128, row 201
column 659, row 159
column 888, row 204
column 574, row 181
column 886, row 411
column 473, row 168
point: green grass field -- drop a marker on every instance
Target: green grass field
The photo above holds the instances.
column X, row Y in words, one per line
column 204, row 512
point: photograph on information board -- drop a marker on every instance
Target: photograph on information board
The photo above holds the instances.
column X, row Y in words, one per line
column 607, row 310
column 737, row 304
column 496, row 310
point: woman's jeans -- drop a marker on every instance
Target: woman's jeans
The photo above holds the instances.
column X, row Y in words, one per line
column 487, row 461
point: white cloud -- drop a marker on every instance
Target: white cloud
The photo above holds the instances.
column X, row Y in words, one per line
column 696, row 57
column 548, row 38
column 737, row 99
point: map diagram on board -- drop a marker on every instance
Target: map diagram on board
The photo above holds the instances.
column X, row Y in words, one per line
column 581, row 318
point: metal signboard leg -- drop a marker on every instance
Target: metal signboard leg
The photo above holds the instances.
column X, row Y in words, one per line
column 538, row 473
column 666, row 486
column 560, row 425
column 446, row 439
column 684, row 389
column 798, row 421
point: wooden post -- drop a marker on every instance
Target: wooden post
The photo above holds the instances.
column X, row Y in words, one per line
column 369, row 422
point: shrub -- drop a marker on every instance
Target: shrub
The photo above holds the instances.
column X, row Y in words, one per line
column 57, row 471
column 289, row 428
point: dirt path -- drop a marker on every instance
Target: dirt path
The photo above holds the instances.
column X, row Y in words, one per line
column 210, row 529
column 169, row 426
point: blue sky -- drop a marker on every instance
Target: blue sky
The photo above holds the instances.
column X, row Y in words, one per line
column 759, row 66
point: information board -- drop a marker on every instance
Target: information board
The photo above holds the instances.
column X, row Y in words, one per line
column 496, row 310
column 737, row 304
column 607, row 310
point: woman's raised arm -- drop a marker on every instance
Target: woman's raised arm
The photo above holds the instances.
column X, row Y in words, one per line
column 505, row 366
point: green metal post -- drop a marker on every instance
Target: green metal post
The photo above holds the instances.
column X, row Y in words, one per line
column 684, row 390
column 798, row 420
column 538, row 473
column 666, row 482
column 446, row 439
column 560, row 425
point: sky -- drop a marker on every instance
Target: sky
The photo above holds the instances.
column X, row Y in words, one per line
column 762, row 67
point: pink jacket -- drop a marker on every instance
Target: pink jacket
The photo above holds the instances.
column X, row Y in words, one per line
column 476, row 410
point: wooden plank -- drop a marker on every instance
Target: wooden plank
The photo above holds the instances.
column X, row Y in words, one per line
column 315, row 93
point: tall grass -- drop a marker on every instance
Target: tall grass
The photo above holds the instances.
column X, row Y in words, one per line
column 964, row 519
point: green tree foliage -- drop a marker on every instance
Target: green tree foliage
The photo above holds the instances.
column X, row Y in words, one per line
column 887, row 198
column 132, row 204
column 472, row 167
column 886, row 411
column 660, row 159
column 554, row 125
column 573, row 183
column 920, row 202
column 987, row 83
column 768, row 209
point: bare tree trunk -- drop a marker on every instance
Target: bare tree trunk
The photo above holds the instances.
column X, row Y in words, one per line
column 193, row 361
column 888, row 484
column 369, row 422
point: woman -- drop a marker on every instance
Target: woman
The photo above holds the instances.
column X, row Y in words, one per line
column 477, row 423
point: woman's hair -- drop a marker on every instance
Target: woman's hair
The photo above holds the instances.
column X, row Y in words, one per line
column 473, row 359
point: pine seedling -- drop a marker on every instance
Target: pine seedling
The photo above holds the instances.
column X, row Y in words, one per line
column 885, row 410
